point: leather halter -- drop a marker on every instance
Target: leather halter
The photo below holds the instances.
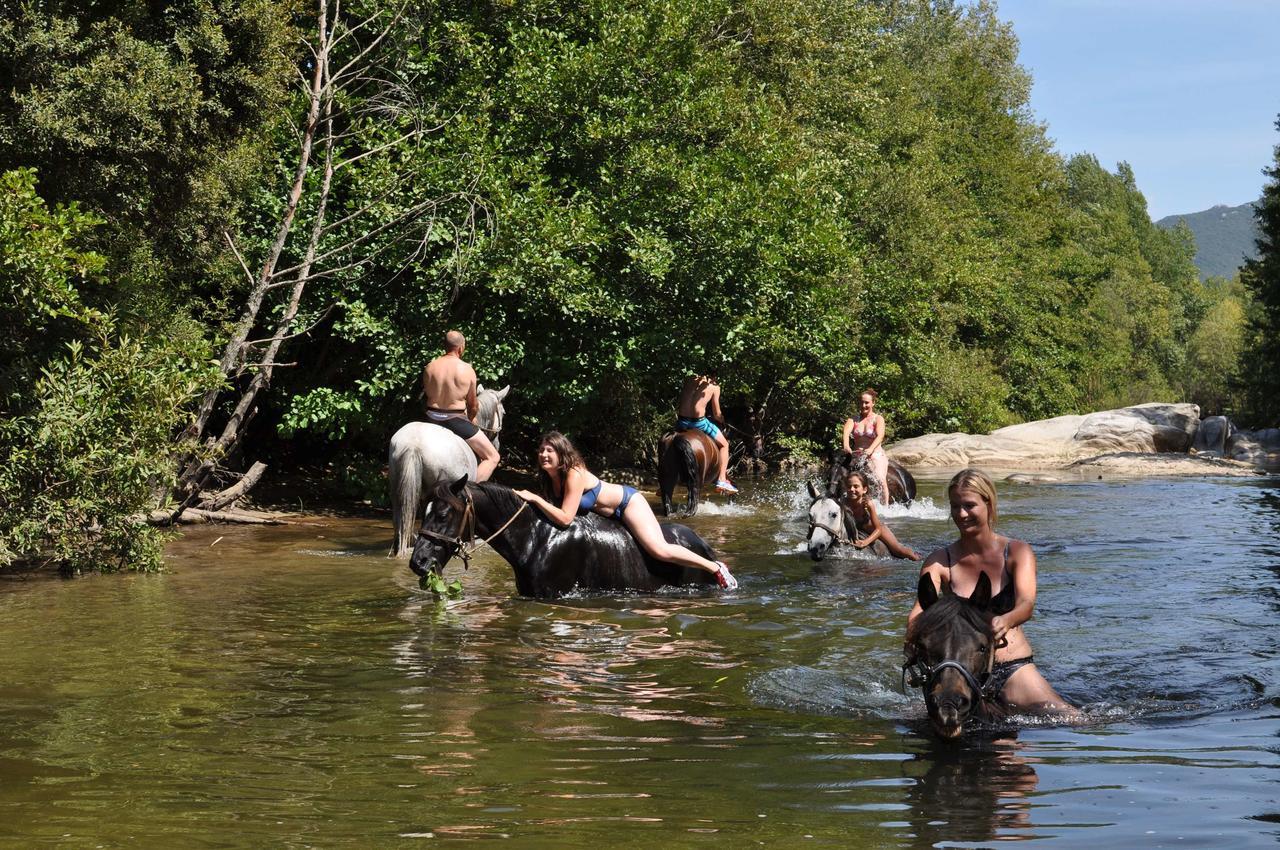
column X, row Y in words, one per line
column 923, row 675
column 465, row 536
column 837, row 537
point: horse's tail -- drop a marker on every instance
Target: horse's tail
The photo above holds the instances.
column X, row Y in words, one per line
column 668, row 472
column 405, row 473
column 689, row 471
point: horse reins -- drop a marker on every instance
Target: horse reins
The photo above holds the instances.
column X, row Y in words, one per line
column 467, row 546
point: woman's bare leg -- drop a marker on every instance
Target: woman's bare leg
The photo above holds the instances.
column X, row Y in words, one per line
column 880, row 469
column 896, row 549
column 1028, row 692
column 644, row 527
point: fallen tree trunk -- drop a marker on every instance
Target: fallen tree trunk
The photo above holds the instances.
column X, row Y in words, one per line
column 196, row 516
column 229, row 496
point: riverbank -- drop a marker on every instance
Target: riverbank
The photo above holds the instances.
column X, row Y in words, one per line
column 1144, row 440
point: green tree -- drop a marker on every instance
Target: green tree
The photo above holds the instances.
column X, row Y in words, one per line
column 1261, row 365
column 87, row 414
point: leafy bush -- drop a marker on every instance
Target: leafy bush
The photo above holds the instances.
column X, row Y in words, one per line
column 89, row 415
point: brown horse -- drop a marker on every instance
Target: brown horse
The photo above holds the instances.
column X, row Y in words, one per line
column 902, row 484
column 687, row 457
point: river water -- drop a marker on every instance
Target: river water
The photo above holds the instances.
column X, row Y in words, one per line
column 292, row 687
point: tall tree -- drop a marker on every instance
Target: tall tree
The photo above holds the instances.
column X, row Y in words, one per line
column 1261, row 365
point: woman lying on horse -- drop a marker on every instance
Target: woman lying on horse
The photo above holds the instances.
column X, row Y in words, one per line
column 571, row 489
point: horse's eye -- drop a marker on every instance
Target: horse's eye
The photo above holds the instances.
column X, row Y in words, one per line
column 982, row 648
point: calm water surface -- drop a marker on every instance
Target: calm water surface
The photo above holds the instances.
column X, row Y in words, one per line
column 292, row 687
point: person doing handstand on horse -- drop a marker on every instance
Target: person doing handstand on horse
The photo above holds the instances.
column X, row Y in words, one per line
column 449, row 384
column 1010, row 566
column 699, row 396
column 570, row 490
column 868, row 434
column 862, row 521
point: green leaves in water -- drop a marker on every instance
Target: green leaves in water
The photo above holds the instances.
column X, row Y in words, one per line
column 435, row 583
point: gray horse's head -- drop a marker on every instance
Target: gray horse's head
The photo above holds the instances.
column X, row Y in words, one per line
column 825, row 516
column 489, row 417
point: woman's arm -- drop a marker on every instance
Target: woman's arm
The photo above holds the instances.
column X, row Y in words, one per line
column 878, row 424
column 877, row 530
column 844, row 440
column 568, row 508
column 1024, row 580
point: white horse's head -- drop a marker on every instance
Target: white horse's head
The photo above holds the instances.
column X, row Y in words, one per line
column 825, row 517
column 489, row 417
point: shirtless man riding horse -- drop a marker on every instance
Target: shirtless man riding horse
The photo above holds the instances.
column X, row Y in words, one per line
column 449, row 384
column 700, row 396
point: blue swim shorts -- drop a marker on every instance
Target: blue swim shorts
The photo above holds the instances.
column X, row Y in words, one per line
column 703, row 424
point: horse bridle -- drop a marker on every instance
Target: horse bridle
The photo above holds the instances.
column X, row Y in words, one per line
column 918, row 674
column 467, row 546
column 836, row 536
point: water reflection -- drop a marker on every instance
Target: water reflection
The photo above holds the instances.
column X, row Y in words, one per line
column 972, row 793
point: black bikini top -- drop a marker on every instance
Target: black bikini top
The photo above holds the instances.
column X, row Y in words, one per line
column 1002, row 602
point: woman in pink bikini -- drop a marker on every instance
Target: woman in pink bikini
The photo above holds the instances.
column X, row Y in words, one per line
column 868, row 433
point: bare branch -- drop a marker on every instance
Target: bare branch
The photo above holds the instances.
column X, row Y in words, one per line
column 236, row 251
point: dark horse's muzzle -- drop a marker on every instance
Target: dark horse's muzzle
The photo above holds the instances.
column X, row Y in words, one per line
column 430, row 554
column 950, row 699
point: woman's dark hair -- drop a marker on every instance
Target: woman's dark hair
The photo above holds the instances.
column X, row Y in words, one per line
column 570, row 457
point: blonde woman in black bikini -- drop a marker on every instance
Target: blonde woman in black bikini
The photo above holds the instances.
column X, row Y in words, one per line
column 1010, row 566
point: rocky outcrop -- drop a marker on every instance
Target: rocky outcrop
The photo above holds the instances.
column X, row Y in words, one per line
column 1213, row 434
column 1261, row 446
column 1058, row 442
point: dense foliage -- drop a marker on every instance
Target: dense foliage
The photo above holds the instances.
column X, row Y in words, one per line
column 809, row 196
column 87, row 413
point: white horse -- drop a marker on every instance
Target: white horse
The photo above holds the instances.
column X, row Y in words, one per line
column 422, row 454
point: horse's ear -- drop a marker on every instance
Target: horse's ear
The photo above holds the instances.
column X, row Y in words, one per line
column 926, row 593
column 502, row 393
column 813, row 491
column 479, row 388
column 458, row 486
column 981, row 595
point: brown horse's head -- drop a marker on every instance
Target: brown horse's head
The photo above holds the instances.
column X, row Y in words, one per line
column 949, row 650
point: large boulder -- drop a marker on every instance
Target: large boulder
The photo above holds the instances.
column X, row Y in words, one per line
column 1213, row 434
column 1142, row 428
column 1059, row 441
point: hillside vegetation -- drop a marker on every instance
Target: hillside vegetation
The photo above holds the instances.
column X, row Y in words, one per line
column 1225, row 237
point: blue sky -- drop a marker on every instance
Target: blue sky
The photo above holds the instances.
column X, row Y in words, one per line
column 1186, row 91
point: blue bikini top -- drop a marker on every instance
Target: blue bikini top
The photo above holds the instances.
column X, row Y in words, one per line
column 588, row 500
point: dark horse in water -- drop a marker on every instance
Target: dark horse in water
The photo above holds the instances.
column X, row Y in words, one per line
column 902, row 486
column 593, row 553
column 949, row 656
column 686, row 457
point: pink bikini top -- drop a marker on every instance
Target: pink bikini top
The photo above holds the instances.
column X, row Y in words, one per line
column 868, row 431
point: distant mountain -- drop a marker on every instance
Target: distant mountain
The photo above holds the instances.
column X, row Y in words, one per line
column 1224, row 237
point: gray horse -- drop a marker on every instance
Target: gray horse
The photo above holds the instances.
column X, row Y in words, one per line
column 422, row 454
